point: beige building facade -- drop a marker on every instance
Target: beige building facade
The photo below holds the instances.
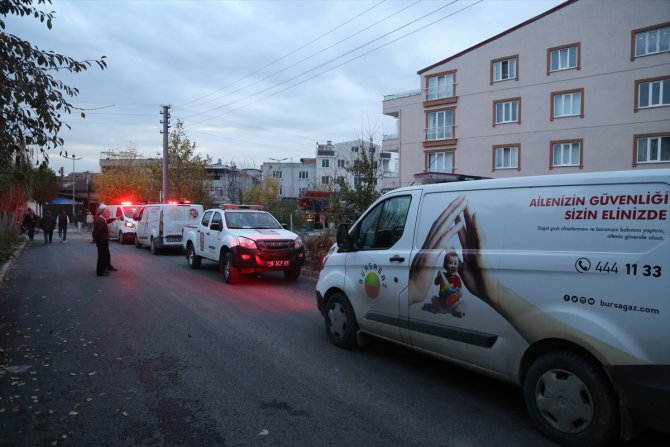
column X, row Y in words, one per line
column 584, row 86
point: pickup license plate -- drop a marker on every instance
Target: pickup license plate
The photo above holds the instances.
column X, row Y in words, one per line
column 277, row 263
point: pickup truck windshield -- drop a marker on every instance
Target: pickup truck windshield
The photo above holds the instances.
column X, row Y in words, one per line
column 256, row 220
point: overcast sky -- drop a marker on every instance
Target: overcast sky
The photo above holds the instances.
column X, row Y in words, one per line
column 251, row 80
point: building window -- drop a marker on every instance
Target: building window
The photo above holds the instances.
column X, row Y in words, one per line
column 277, row 174
column 652, row 93
column 325, row 163
column 354, row 149
column 567, row 103
column 505, row 157
column 340, row 163
column 504, row 69
column 440, row 125
column 651, row 40
column 440, row 86
column 440, row 161
column 303, row 174
column 302, row 191
column 340, row 179
column 506, row 111
column 565, row 57
column 281, row 190
column 325, row 180
column 566, row 153
column 652, row 148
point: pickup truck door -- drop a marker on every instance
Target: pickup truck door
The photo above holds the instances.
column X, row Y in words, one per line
column 213, row 237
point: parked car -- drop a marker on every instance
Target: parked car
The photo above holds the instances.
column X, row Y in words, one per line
column 122, row 228
column 161, row 225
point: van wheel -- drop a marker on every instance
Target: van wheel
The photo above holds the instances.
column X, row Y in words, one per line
column 341, row 325
column 570, row 400
column 291, row 275
column 230, row 273
column 153, row 247
column 137, row 242
column 192, row 259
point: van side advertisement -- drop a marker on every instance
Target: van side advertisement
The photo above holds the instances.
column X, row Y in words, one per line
column 587, row 260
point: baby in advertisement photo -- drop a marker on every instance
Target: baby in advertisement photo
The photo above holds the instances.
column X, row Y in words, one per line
column 448, row 299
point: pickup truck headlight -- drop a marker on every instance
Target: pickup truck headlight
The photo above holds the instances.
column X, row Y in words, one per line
column 129, row 225
column 246, row 243
column 298, row 242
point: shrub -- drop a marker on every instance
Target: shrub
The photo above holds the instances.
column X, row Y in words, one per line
column 316, row 248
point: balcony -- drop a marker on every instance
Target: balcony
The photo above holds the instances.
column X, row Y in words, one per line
column 325, row 152
column 402, row 94
column 439, row 133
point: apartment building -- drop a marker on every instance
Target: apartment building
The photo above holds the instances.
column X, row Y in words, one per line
column 584, row 86
column 330, row 163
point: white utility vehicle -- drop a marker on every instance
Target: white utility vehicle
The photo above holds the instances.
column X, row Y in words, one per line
column 243, row 239
column 558, row 283
column 161, row 225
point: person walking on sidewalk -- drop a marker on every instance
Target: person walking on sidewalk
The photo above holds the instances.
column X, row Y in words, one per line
column 81, row 219
column 48, row 224
column 29, row 223
column 63, row 221
column 101, row 239
column 89, row 221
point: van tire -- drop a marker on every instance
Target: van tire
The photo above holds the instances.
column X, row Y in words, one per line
column 583, row 412
column 192, row 259
column 137, row 242
column 153, row 247
column 341, row 325
column 291, row 275
column 230, row 273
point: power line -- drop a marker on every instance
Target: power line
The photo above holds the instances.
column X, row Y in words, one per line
column 337, row 66
column 286, row 55
column 334, row 59
column 310, row 56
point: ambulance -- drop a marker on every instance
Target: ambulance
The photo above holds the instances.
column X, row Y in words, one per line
column 560, row 284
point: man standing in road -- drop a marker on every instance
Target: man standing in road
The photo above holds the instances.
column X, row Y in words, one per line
column 101, row 239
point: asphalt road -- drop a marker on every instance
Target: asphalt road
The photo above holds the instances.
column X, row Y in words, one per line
column 159, row 354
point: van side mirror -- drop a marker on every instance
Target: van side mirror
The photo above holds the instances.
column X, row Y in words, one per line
column 344, row 242
column 215, row 226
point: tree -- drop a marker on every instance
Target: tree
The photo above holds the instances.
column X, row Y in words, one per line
column 350, row 201
column 45, row 184
column 187, row 174
column 32, row 101
column 129, row 180
column 266, row 194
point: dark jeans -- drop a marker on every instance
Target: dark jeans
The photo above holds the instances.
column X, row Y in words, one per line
column 62, row 233
column 31, row 232
column 104, row 258
column 48, row 235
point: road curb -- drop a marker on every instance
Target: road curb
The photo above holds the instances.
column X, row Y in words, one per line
column 10, row 262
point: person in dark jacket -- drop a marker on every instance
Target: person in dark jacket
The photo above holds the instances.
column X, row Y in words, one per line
column 48, row 224
column 101, row 239
column 63, row 221
column 29, row 223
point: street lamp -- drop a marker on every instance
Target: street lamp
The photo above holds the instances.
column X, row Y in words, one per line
column 73, row 182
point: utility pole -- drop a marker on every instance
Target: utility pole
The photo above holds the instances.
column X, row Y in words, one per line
column 166, row 125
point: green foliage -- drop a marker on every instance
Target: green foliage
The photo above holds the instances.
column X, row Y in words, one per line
column 129, row 180
column 45, row 184
column 266, row 194
column 350, row 201
column 32, row 101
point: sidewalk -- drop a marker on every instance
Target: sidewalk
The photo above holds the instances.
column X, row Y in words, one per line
column 72, row 234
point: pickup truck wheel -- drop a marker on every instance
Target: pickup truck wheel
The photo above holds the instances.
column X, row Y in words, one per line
column 341, row 325
column 230, row 273
column 153, row 247
column 570, row 400
column 192, row 259
column 291, row 275
column 137, row 242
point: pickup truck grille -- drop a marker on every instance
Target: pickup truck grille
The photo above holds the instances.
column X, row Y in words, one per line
column 275, row 245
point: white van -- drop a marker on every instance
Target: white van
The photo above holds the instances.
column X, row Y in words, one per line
column 161, row 225
column 122, row 228
column 558, row 283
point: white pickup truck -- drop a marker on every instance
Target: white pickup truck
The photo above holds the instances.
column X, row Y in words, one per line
column 243, row 239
